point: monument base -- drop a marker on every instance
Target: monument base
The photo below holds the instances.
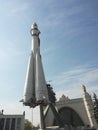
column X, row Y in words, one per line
column 67, row 127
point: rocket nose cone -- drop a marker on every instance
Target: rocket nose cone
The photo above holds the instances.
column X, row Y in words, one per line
column 34, row 26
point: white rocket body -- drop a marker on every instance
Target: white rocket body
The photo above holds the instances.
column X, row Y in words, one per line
column 35, row 91
column 29, row 83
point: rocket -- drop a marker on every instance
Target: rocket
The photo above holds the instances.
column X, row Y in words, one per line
column 35, row 90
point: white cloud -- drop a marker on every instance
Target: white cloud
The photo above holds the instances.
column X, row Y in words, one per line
column 10, row 8
column 19, row 8
column 22, row 8
column 70, row 82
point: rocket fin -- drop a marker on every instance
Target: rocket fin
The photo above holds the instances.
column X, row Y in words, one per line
column 40, row 83
column 29, row 89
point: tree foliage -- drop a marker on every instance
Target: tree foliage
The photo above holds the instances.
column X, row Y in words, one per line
column 95, row 104
column 51, row 93
column 28, row 125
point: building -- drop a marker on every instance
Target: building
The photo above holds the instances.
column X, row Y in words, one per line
column 11, row 122
column 75, row 112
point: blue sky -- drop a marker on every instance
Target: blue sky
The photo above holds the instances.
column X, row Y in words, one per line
column 69, row 47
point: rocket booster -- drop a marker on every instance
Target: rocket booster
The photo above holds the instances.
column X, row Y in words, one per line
column 35, row 90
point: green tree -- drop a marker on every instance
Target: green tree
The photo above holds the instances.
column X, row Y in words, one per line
column 28, row 125
column 95, row 104
column 51, row 93
column 36, row 127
